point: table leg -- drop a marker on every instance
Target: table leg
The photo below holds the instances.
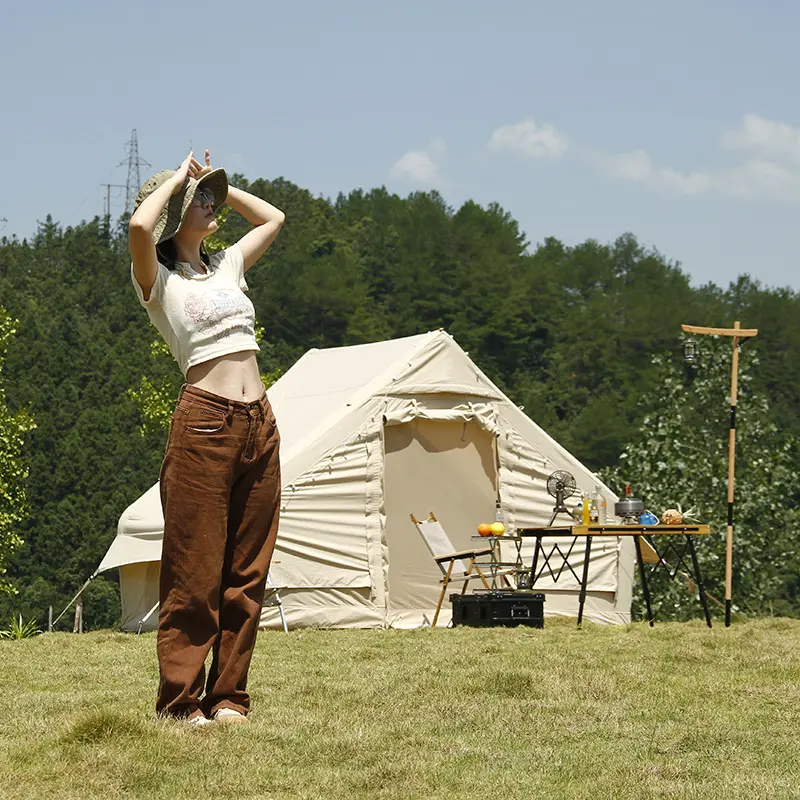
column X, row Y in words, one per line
column 584, row 579
column 699, row 579
column 643, row 574
column 535, row 562
column 519, row 566
column 495, row 545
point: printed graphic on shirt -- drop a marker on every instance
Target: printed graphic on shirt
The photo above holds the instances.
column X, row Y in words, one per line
column 220, row 312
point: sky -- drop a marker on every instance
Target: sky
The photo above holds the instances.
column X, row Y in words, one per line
column 677, row 122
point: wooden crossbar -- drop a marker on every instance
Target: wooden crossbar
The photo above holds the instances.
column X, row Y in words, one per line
column 741, row 333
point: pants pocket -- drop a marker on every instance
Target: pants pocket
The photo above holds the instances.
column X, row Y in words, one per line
column 205, row 421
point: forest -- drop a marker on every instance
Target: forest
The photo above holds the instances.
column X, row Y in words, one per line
column 579, row 335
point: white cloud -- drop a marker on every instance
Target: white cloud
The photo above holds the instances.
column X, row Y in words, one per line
column 529, row 139
column 685, row 182
column 421, row 166
column 770, row 165
column 756, row 178
column 638, row 166
column 753, row 178
column 764, row 137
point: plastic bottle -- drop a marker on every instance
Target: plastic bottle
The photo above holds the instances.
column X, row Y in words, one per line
column 498, row 519
column 593, row 510
column 602, row 505
column 586, row 511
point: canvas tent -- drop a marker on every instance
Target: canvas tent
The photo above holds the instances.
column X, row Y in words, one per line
column 371, row 433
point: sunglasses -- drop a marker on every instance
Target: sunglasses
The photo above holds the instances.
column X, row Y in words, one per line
column 203, row 197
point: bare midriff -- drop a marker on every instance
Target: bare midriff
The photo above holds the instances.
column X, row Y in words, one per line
column 234, row 376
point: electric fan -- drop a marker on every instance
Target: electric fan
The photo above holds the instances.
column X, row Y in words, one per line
column 560, row 485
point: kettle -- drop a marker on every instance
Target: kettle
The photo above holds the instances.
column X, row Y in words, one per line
column 628, row 508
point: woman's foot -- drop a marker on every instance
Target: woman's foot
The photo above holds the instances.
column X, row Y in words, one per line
column 229, row 715
column 197, row 719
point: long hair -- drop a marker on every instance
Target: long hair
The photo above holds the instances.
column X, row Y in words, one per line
column 167, row 253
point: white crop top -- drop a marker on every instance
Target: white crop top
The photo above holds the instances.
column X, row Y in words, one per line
column 202, row 316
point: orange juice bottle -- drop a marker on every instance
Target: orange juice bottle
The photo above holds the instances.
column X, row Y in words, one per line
column 586, row 511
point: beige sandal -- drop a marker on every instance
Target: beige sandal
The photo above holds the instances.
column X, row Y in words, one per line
column 229, row 715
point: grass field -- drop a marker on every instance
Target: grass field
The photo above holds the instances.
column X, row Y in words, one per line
column 678, row 711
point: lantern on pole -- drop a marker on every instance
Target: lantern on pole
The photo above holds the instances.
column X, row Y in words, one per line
column 690, row 358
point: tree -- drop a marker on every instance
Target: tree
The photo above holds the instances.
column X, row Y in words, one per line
column 679, row 455
column 568, row 331
column 13, row 470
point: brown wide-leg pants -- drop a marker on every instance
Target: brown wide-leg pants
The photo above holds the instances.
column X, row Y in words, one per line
column 220, row 493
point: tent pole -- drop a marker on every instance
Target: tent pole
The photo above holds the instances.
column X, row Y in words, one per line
column 88, row 581
column 146, row 617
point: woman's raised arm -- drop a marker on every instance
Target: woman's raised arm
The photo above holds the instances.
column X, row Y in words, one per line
column 267, row 219
column 142, row 224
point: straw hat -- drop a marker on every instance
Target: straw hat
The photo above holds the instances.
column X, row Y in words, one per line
column 175, row 210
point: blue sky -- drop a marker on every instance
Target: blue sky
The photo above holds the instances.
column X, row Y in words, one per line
column 677, row 122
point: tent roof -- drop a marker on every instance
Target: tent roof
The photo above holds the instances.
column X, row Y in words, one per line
column 139, row 532
column 323, row 385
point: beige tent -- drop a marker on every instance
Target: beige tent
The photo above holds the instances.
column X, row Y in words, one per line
column 371, row 433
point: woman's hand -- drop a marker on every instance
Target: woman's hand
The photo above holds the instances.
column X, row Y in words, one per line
column 197, row 170
column 190, row 168
column 183, row 172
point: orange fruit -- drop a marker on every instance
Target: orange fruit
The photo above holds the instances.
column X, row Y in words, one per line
column 484, row 529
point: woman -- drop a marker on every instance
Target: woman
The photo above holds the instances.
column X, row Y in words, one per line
column 220, row 479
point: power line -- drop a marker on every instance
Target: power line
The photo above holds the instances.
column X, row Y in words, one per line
column 134, row 180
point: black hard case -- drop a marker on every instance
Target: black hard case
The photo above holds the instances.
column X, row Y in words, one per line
column 492, row 609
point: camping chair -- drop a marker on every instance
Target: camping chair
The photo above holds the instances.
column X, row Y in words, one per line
column 444, row 553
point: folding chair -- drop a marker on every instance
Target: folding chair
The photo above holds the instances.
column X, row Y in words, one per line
column 444, row 553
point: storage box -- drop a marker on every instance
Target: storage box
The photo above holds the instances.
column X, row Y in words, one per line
column 498, row 608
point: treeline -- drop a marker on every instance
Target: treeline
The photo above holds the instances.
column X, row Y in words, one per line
column 567, row 332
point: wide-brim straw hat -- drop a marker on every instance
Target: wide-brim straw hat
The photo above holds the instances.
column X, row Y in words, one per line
column 175, row 210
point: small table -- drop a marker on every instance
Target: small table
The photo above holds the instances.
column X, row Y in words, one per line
column 495, row 556
column 637, row 531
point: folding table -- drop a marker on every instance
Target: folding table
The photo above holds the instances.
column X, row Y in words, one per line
column 675, row 539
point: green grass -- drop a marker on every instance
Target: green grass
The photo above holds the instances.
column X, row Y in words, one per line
column 678, row 711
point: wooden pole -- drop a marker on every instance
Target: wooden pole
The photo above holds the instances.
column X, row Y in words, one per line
column 731, row 471
column 738, row 333
column 50, row 618
column 77, row 625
